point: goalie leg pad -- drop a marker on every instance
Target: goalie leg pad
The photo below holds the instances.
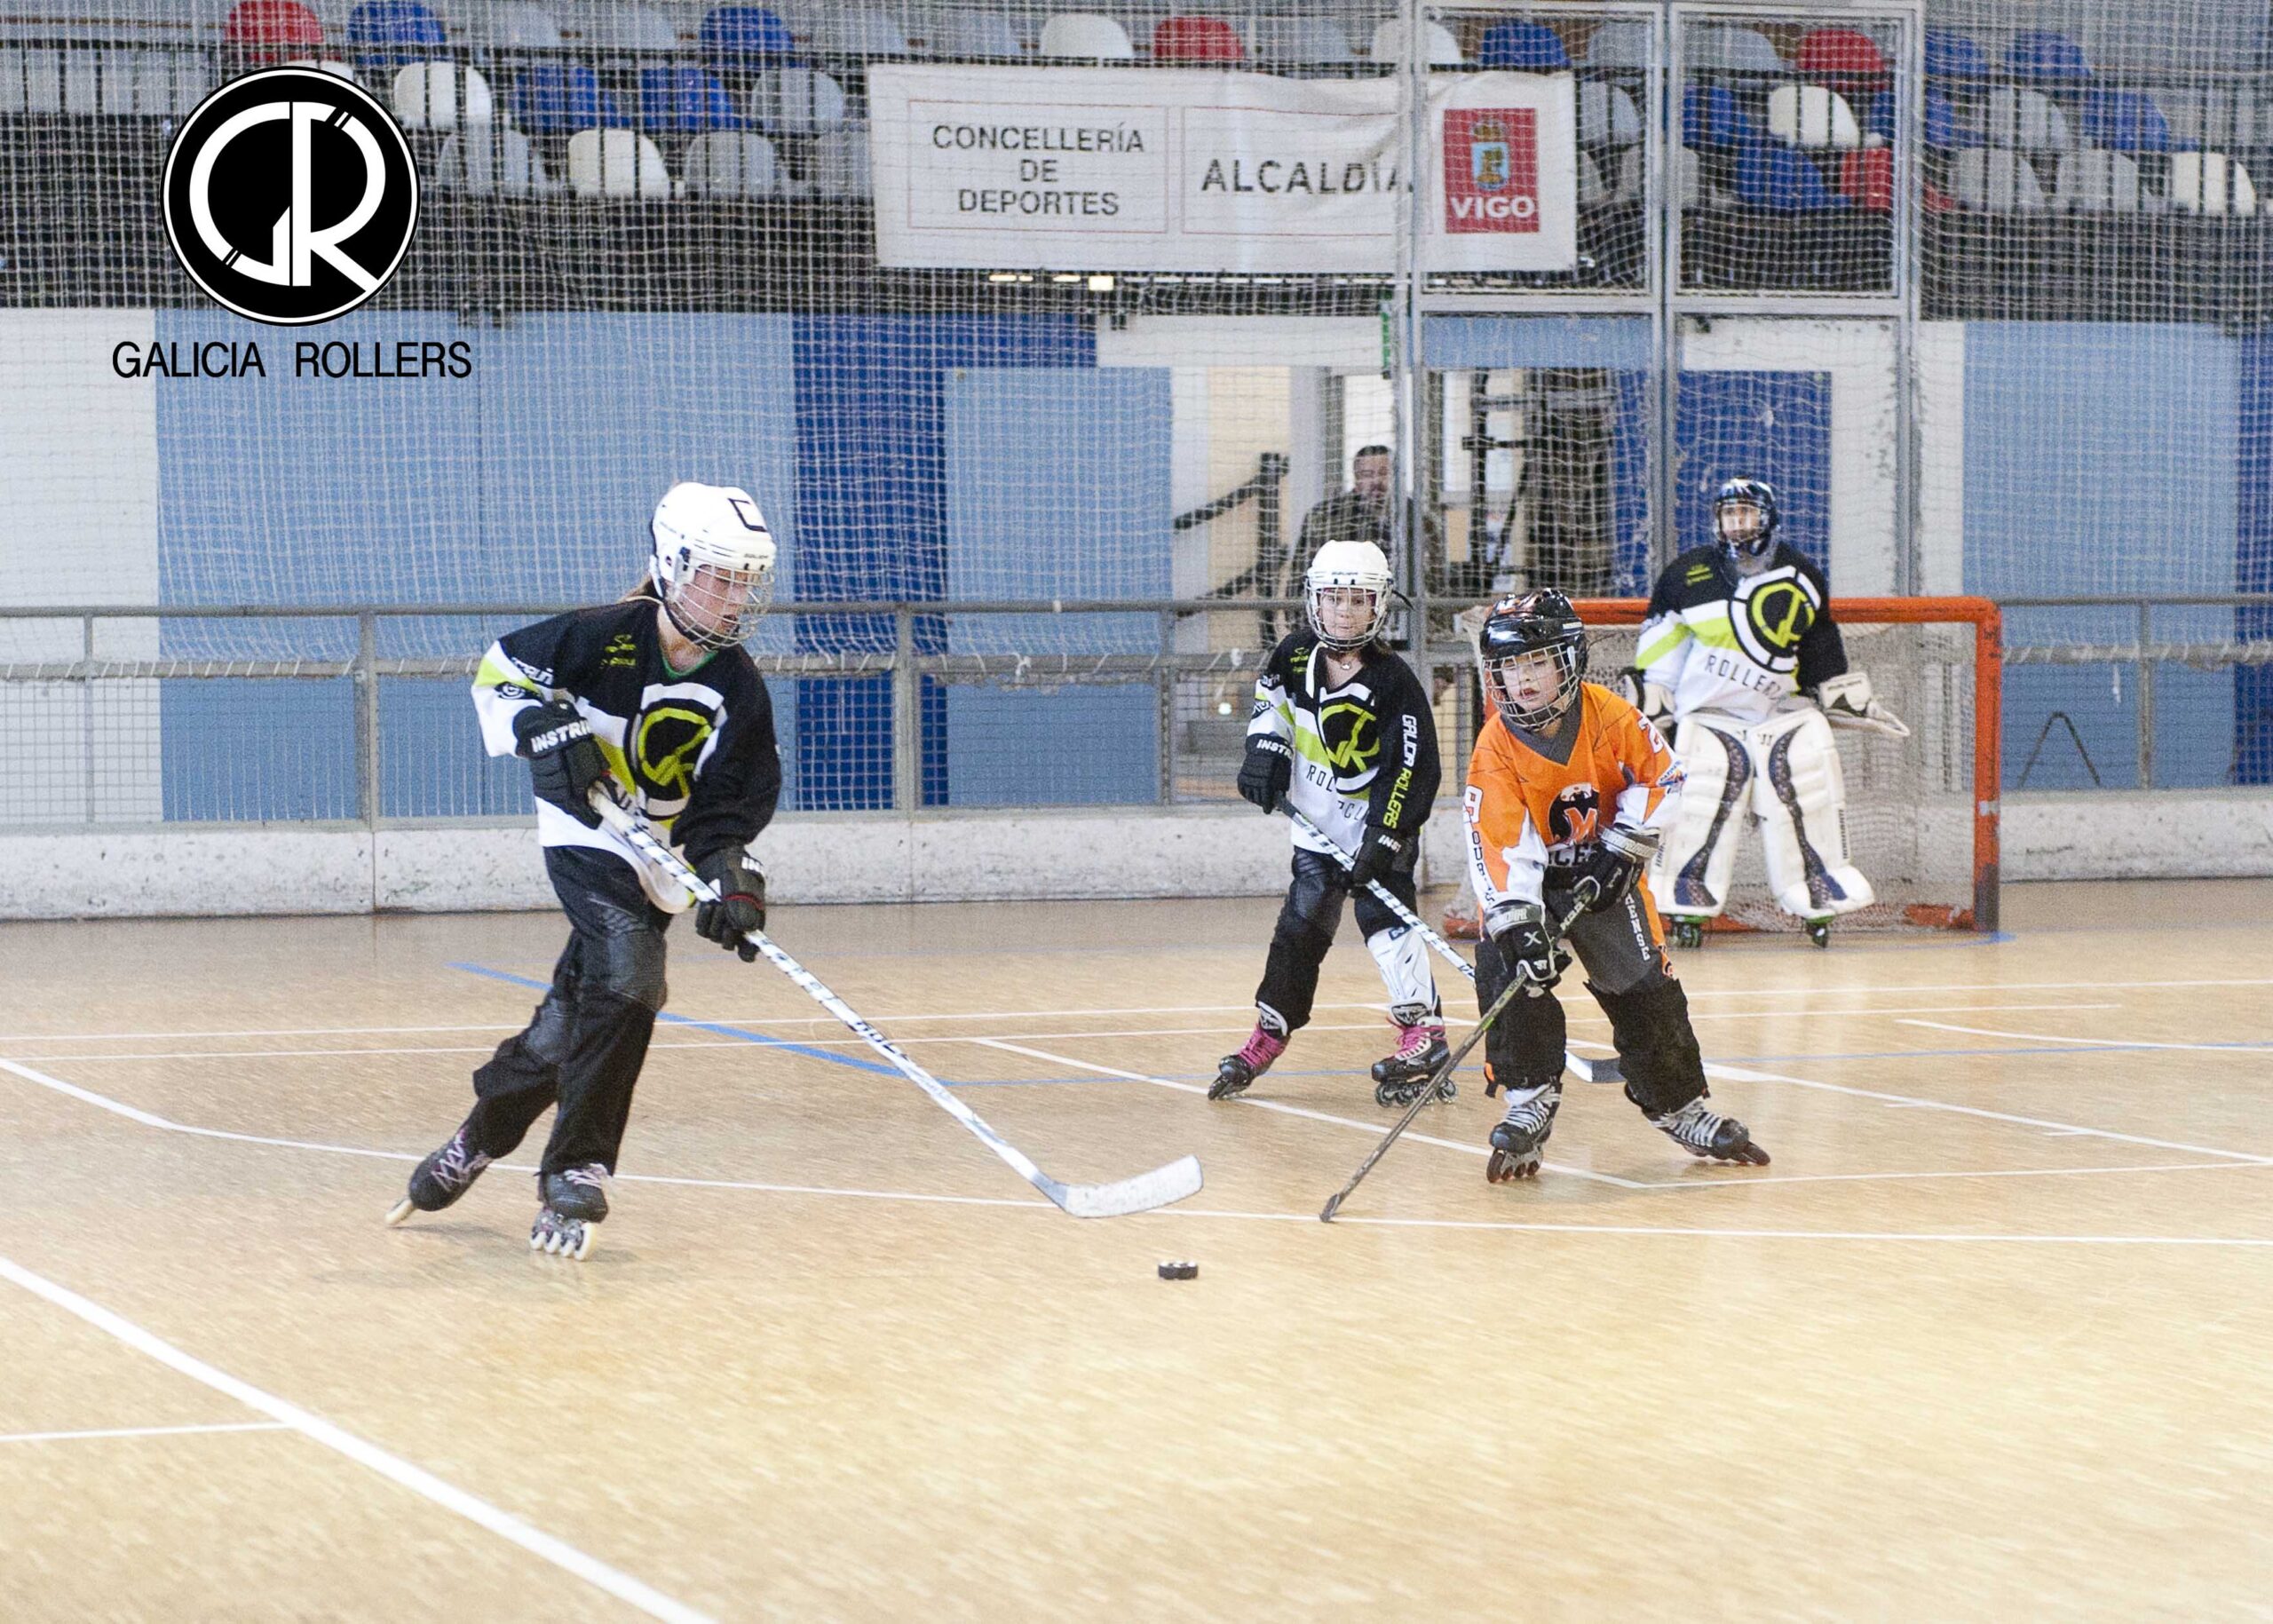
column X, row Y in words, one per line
column 1299, row 942
column 1802, row 805
column 1657, row 1046
column 1691, row 873
column 1528, row 1039
column 1398, row 951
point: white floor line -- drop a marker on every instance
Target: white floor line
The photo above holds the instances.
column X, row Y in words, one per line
column 223, row 1426
column 1943, row 1008
column 1375, row 1128
column 1818, row 990
column 1741, row 1073
column 1958, row 1237
column 1755, row 1180
column 538, row 1543
column 2049, row 1037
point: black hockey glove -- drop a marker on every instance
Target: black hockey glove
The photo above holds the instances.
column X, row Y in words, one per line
column 1267, row 770
column 742, row 888
column 1615, row 861
column 1377, row 858
column 565, row 760
column 1519, row 931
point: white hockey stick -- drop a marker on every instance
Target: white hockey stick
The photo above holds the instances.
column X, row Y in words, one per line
column 1585, row 1069
column 1142, row 1193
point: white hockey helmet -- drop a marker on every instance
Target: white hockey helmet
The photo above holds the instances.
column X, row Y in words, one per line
column 713, row 562
column 1347, row 566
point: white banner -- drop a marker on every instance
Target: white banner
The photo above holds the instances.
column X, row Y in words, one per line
column 1117, row 169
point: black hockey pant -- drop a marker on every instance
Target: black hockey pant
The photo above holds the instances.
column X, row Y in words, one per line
column 1306, row 925
column 585, row 1045
column 1629, row 978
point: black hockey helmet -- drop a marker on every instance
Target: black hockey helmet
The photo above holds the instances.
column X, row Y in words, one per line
column 1540, row 621
column 1757, row 543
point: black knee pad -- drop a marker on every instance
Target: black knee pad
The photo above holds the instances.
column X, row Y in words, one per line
column 629, row 966
column 547, row 1037
column 1656, row 1047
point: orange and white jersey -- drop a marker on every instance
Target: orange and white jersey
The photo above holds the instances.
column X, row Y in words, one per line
column 1526, row 809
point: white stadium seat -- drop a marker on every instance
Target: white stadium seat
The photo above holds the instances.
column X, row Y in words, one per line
column 616, row 163
column 839, row 164
column 1812, row 117
column 795, row 101
column 1998, row 181
column 442, row 96
column 2098, row 182
column 1388, row 44
column 732, row 164
column 1086, row 34
column 2211, row 183
column 488, row 160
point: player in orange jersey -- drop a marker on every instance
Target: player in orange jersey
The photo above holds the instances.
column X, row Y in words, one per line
column 1570, row 782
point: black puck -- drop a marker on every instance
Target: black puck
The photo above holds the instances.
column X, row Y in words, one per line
column 1179, row 1272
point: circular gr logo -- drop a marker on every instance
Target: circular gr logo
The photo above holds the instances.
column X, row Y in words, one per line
column 1769, row 614
column 290, row 195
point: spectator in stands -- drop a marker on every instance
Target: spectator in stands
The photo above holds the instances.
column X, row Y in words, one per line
column 1365, row 512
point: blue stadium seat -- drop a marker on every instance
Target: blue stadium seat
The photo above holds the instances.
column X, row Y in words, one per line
column 747, row 33
column 1710, row 117
column 389, row 32
column 551, row 97
column 2045, row 56
column 2125, row 121
column 1954, row 56
column 1516, row 43
column 679, row 99
column 1771, row 176
column 1942, row 128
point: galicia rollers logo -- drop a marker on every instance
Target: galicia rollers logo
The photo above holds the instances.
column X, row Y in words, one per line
column 290, row 196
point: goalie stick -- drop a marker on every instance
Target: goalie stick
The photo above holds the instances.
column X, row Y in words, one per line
column 1587, row 1070
column 1142, row 1193
column 1587, row 892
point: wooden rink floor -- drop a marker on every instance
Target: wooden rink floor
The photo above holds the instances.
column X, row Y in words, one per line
column 1987, row 1341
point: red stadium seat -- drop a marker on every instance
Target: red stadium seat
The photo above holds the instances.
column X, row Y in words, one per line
column 1840, row 57
column 1866, row 179
column 270, row 31
column 1196, row 39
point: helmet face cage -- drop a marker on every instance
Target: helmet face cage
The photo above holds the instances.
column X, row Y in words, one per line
column 735, row 597
column 1755, row 494
column 1343, row 642
column 1522, row 632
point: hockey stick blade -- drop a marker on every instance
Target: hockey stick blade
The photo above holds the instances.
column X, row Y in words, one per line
column 1142, row 1193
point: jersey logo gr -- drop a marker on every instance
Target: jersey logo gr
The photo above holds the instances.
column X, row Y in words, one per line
column 666, row 744
column 1770, row 613
column 1575, row 815
column 1351, row 735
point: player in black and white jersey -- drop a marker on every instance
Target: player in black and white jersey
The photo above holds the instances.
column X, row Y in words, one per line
column 1741, row 660
column 1341, row 730
column 654, row 696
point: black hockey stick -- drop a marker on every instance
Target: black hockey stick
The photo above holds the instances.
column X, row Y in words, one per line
column 1142, row 1193
column 1588, row 891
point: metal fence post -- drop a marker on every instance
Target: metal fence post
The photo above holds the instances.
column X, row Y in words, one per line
column 367, row 718
column 87, row 709
column 1164, row 683
column 2146, row 699
column 906, row 716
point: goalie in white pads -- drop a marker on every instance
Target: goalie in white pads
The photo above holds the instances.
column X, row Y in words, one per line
column 1740, row 653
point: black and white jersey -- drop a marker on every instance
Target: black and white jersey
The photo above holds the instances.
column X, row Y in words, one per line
column 1740, row 645
column 695, row 749
column 1364, row 752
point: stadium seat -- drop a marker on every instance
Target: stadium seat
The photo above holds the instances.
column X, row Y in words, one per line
column 518, row 25
column 1303, row 40
column 269, row 30
column 1619, row 44
column 616, row 163
column 1842, row 58
column 1196, row 39
column 552, row 97
column 2211, row 183
column 859, row 31
column 1607, row 115
column 1688, row 181
column 149, row 84
column 1515, row 43
column 795, row 101
column 2217, row 117
column 1777, row 178
column 1943, row 129
column 2045, row 56
column 839, row 166
column 613, row 25
column 1593, row 190
column 486, row 161
column 1086, row 35
column 1710, row 117
column 732, row 164
column 1732, row 51
column 1996, row 180
column 746, row 35
column 2028, row 120
column 442, row 95
column 389, row 32
column 974, row 34
column 2098, row 182
column 678, row 99
column 1812, row 115
column 47, row 81
column 1388, row 44
column 1866, row 180
column 2126, row 121
column 1951, row 55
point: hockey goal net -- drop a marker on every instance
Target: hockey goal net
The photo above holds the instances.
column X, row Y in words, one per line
column 1921, row 811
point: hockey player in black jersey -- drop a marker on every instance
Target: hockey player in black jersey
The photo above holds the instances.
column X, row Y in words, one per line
column 654, row 696
column 1341, row 730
